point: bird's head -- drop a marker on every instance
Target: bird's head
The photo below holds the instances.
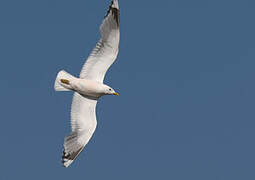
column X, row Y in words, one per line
column 110, row 91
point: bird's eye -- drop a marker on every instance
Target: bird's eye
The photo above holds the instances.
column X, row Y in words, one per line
column 110, row 89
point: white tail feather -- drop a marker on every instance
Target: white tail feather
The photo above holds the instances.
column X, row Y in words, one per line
column 59, row 86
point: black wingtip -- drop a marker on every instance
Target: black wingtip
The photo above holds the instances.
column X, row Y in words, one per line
column 116, row 15
column 115, row 12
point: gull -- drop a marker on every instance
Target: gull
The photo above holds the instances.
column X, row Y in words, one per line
column 89, row 87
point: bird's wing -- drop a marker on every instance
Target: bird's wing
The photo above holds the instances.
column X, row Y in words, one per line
column 83, row 123
column 106, row 50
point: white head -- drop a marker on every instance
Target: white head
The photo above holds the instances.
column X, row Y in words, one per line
column 109, row 91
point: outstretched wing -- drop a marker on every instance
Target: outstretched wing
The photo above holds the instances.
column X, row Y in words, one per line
column 106, row 50
column 83, row 122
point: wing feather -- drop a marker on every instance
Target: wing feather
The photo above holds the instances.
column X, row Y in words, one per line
column 106, row 50
column 83, row 112
column 83, row 124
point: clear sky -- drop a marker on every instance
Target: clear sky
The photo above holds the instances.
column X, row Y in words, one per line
column 185, row 73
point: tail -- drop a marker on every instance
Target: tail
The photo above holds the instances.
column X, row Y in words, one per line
column 72, row 148
column 62, row 81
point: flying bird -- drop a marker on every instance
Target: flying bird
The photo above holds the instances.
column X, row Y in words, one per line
column 89, row 87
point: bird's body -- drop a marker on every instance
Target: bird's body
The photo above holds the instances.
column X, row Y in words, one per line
column 89, row 86
column 85, row 87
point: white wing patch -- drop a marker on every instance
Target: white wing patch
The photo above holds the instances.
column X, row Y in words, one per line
column 83, row 122
column 106, row 50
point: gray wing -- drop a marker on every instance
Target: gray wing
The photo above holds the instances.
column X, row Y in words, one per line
column 83, row 124
column 106, row 50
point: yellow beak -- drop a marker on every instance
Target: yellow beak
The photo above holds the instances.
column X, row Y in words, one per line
column 117, row 94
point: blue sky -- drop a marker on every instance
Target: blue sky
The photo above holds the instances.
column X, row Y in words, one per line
column 185, row 72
